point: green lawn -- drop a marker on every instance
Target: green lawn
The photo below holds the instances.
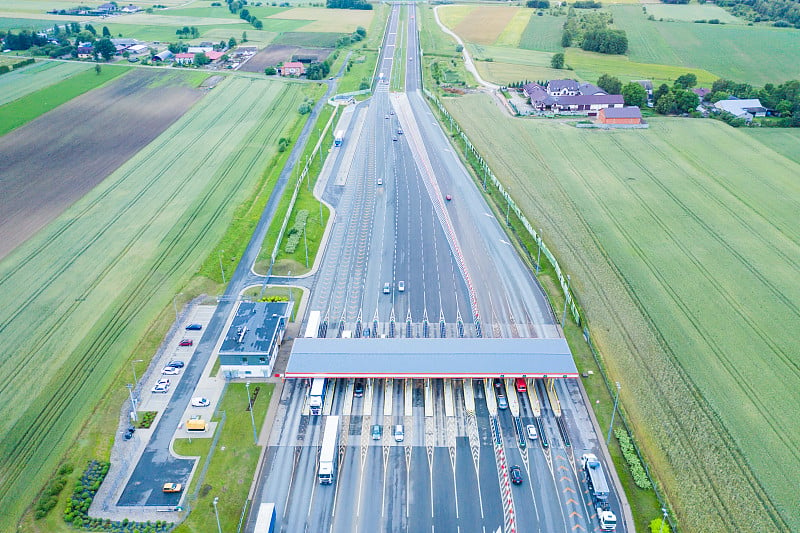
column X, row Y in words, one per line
column 17, row 24
column 785, row 141
column 753, row 54
column 18, row 83
column 233, row 463
column 309, row 39
column 91, row 284
column 683, row 249
column 691, row 12
column 23, row 110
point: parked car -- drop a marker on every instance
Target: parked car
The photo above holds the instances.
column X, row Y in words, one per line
column 200, row 402
column 516, row 474
column 162, row 386
column 377, row 432
column 170, row 371
column 129, row 433
column 172, row 487
column 401, row 286
column 358, row 390
column 531, row 430
column 186, row 342
column 176, row 364
column 194, row 327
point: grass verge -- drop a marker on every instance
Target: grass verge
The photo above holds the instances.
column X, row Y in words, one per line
column 318, row 212
column 234, row 460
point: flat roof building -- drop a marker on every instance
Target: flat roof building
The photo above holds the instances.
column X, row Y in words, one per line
column 253, row 338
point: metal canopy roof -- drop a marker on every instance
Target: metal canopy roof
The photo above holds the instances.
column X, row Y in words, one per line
column 430, row 358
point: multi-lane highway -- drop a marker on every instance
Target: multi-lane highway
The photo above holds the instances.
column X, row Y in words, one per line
column 407, row 216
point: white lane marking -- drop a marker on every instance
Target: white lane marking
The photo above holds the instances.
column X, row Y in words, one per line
column 505, row 242
column 489, row 215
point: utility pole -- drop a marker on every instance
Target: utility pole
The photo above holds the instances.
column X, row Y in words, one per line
column 252, row 419
column 216, row 513
column 222, row 270
column 614, row 412
column 566, row 300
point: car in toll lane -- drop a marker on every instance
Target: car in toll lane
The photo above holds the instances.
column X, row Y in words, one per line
column 515, row 472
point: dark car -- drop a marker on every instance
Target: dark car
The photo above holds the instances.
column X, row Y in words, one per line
column 194, row 327
column 176, row 364
column 129, row 432
column 516, row 475
column 186, row 342
column 358, row 390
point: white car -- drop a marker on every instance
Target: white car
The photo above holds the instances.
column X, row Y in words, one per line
column 531, row 430
column 200, row 402
column 401, row 286
column 162, row 386
column 170, row 371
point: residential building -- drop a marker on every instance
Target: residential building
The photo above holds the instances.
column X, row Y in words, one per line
column 537, row 94
column 590, row 88
column 184, row 58
column 563, row 88
column 166, row 55
column 85, row 51
column 587, row 104
column 130, row 8
column 292, row 68
column 701, row 92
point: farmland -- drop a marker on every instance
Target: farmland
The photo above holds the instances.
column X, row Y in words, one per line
column 753, row 54
column 785, row 141
column 86, row 287
column 484, row 24
column 543, row 33
column 15, row 114
column 20, row 82
column 327, row 20
column 683, row 252
column 39, row 183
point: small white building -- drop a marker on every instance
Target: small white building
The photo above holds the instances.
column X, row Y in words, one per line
column 253, row 339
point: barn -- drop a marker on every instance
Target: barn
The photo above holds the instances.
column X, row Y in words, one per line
column 620, row 115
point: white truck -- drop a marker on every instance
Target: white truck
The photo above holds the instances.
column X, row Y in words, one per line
column 316, row 397
column 328, row 453
column 598, row 488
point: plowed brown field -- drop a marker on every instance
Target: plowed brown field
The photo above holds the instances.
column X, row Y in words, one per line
column 48, row 164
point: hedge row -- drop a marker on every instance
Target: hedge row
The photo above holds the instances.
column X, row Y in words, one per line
column 632, row 458
column 296, row 232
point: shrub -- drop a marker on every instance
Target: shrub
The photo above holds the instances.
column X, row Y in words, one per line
column 632, row 458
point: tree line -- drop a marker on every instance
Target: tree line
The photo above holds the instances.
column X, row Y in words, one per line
column 593, row 32
column 782, row 13
column 347, row 4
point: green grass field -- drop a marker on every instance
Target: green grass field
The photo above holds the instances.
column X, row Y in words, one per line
column 233, row 463
column 753, row 54
column 88, row 287
column 513, row 64
column 682, row 247
column 514, row 30
column 691, row 12
column 785, row 141
column 17, row 24
column 26, row 108
column 18, row 83
column 312, row 40
column 543, row 33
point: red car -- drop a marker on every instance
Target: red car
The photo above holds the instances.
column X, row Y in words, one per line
column 448, row 197
column 186, row 342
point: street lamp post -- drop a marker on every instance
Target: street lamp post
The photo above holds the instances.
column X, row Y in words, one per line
column 663, row 520
column 133, row 367
column 133, row 401
column 216, row 513
column 252, row 419
column 614, row 412
column 566, row 299
column 305, row 241
column 538, row 250
column 222, row 270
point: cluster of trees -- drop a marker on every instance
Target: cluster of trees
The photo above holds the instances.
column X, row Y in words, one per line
column 782, row 99
column 188, row 32
column 632, row 93
column 587, row 4
column 354, row 37
column 592, row 32
column 783, row 13
column 244, row 14
column 60, row 43
column 538, row 4
column 318, row 70
column 678, row 99
column 675, row 1
column 347, row 4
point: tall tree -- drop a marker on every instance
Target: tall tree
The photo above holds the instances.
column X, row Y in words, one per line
column 557, row 61
column 686, row 81
column 609, row 84
column 634, row 94
column 105, row 48
column 106, row 32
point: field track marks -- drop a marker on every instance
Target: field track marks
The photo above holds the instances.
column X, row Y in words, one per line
column 148, row 286
column 43, row 284
column 682, row 305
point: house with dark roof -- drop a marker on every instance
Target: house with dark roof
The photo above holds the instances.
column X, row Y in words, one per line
column 85, row 51
column 563, row 88
column 590, row 88
column 588, row 104
column 537, row 94
column 701, row 92
column 106, row 8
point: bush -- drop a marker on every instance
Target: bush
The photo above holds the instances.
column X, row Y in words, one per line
column 632, row 458
column 294, row 235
